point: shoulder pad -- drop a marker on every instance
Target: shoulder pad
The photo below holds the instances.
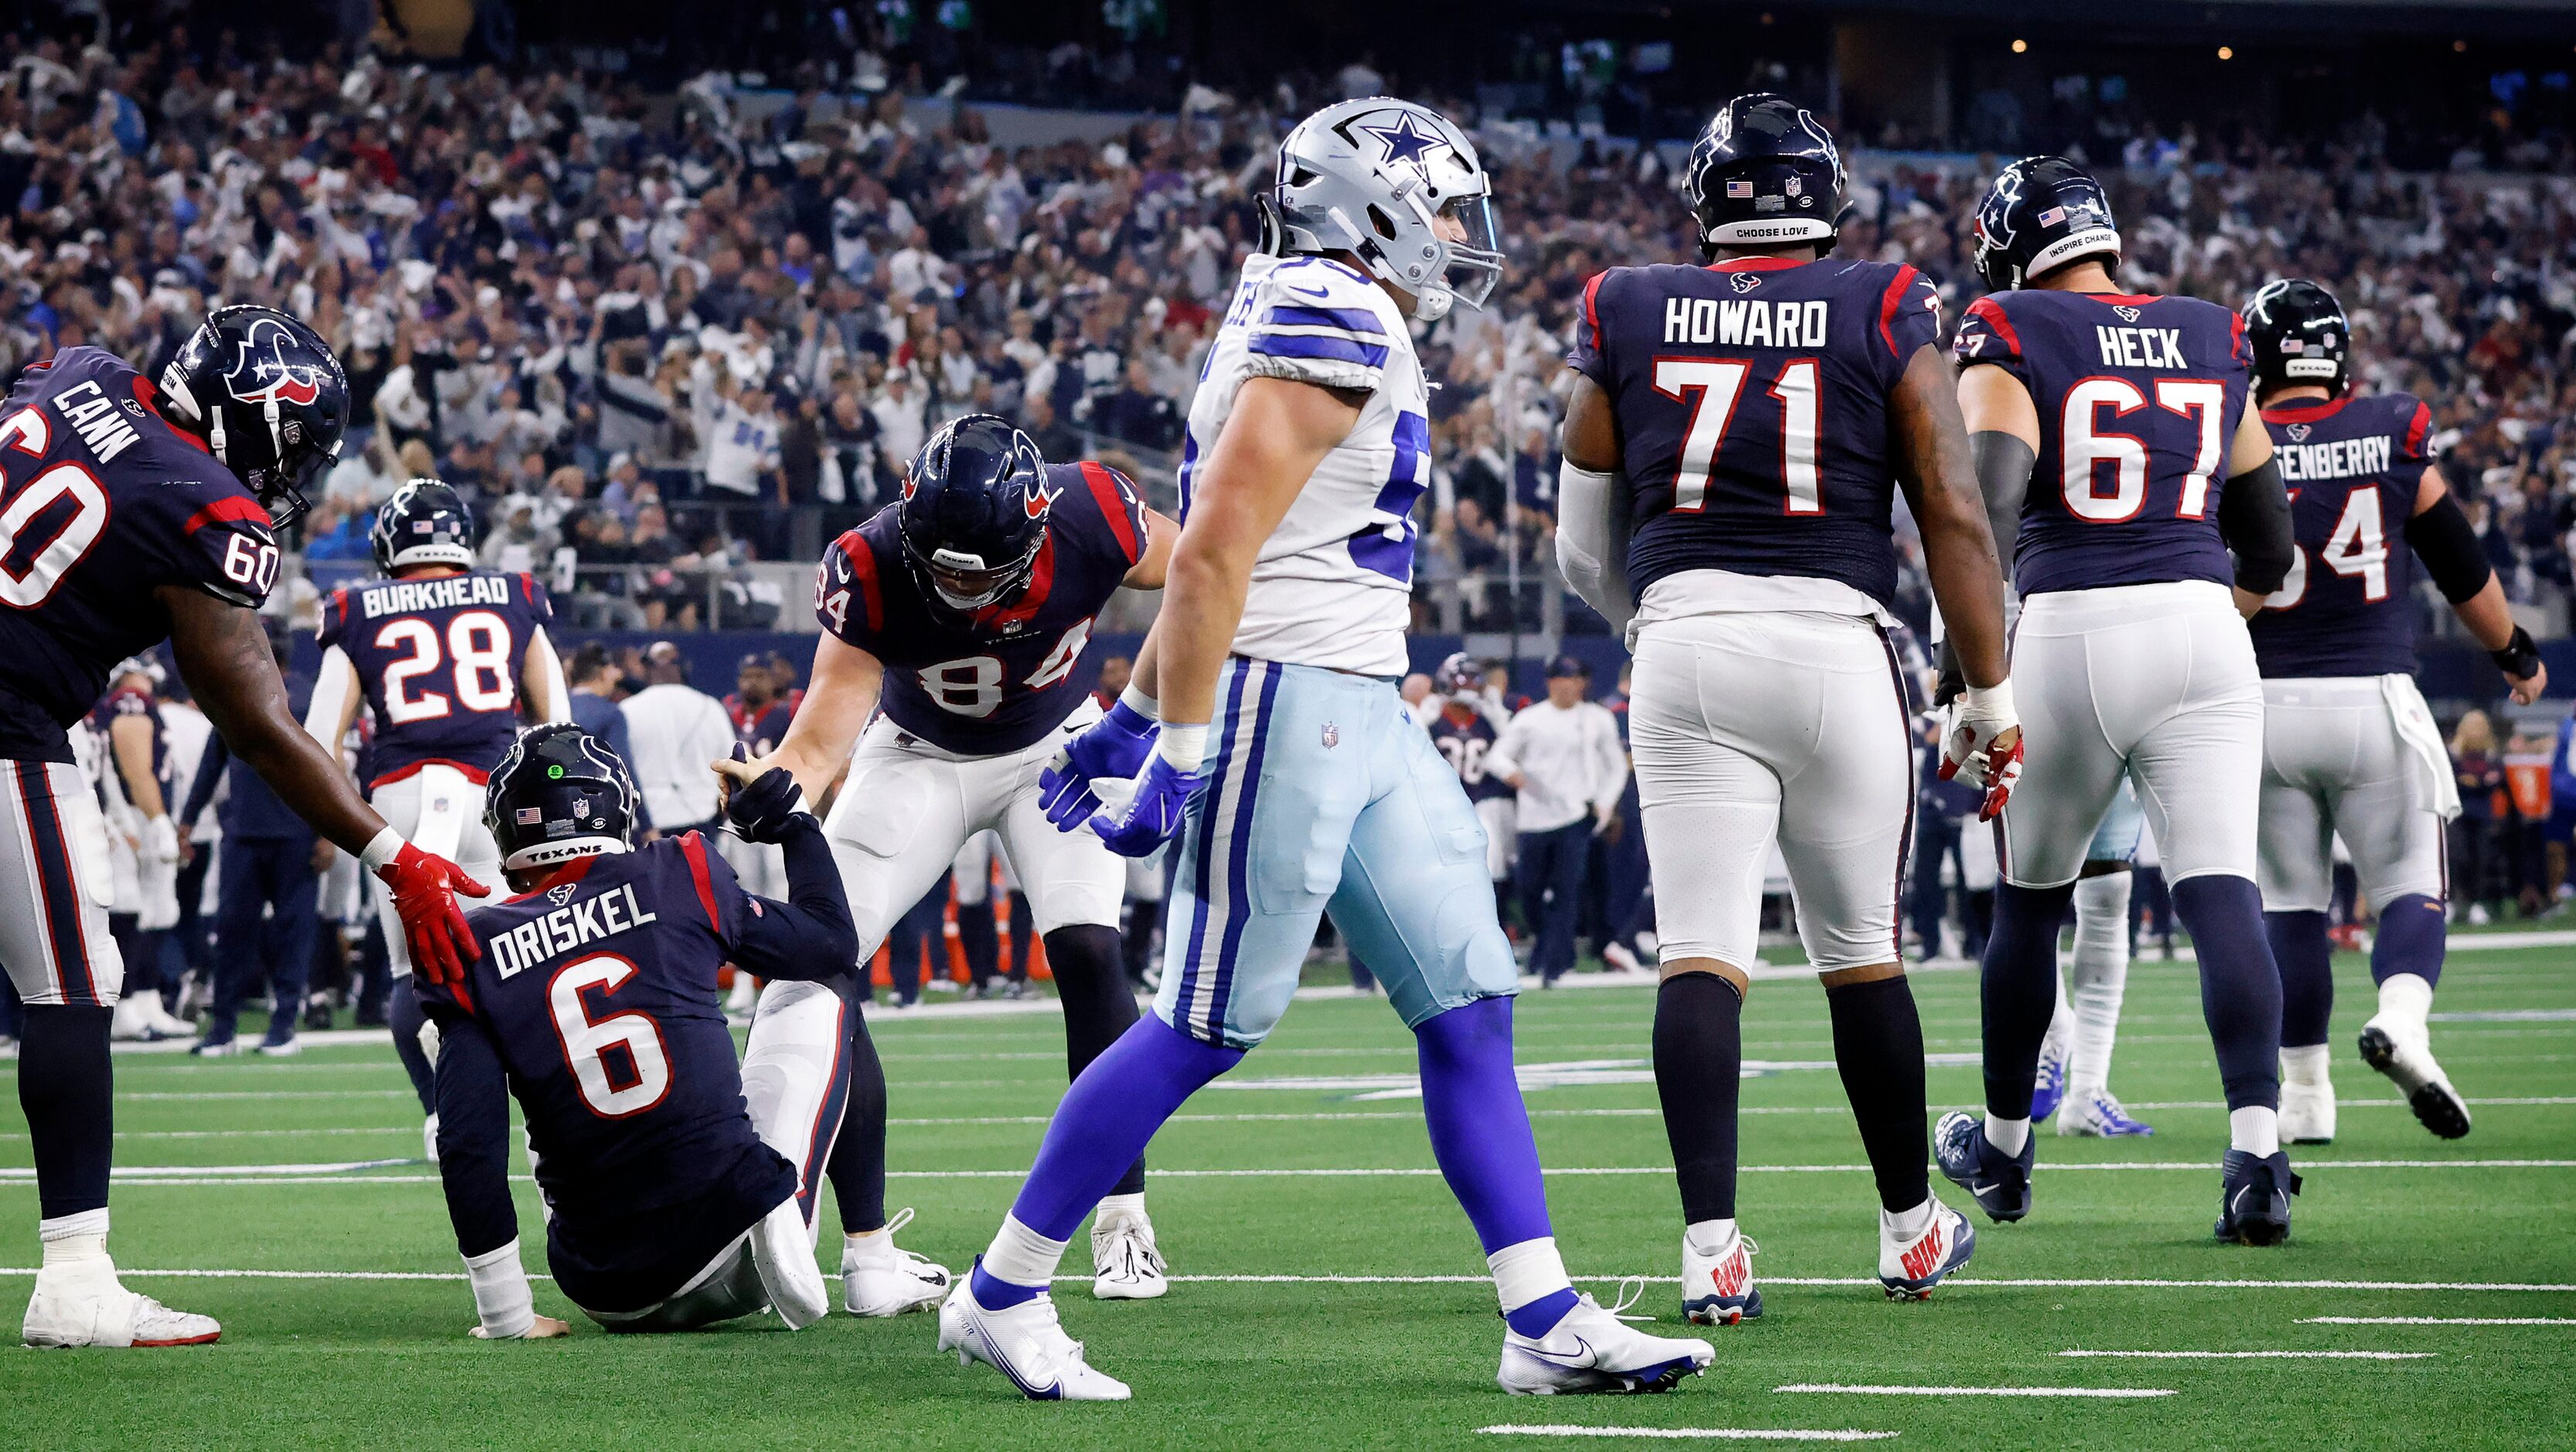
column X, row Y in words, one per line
column 1317, row 321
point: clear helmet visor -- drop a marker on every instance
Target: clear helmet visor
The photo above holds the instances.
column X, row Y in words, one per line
column 1475, row 265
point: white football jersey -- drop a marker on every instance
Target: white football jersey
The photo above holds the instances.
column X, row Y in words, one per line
column 1334, row 582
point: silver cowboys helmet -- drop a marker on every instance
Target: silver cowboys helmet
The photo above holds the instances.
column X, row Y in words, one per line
column 1370, row 177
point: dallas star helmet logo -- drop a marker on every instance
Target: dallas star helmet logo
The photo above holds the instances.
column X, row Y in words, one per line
column 261, row 374
column 1405, row 142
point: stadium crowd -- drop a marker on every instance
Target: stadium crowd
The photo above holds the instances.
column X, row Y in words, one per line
column 649, row 333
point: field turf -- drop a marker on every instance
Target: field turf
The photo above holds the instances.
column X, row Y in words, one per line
column 1345, row 1303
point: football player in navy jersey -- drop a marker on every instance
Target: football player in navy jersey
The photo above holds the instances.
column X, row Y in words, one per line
column 679, row 1186
column 147, row 513
column 448, row 660
column 1765, row 409
column 1466, row 734
column 953, row 628
column 134, row 785
column 2349, row 748
column 2122, row 464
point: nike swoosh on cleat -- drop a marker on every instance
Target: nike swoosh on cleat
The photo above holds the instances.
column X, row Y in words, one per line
column 1053, row 1391
column 1591, row 1359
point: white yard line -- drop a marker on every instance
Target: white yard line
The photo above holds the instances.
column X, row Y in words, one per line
column 324, row 1174
column 2437, row 1320
column 1691, row 1434
column 1482, row 1280
column 2257, row 1355
column 2122, row 1392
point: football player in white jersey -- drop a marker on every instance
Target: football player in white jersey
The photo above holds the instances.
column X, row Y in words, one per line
column 1293, row 770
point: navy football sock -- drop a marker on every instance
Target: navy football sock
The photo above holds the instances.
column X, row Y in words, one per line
column 2240, row 988
column 66, row 1087
column 1699, row 1070
column 1878, row 1046
column 979, row 940
column 1480, row 1133
column 1099, row 1006
column 1107, row 1118
column 2018, row 987
column 2306, row 961
column 857, row 1166
column 2412, row 939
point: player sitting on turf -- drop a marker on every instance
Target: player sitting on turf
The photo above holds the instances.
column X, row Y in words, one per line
column 2349, row 748
column 1279, row 647
column 679, row 1189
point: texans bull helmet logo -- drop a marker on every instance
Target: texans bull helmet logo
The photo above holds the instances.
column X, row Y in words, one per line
column 261, row 374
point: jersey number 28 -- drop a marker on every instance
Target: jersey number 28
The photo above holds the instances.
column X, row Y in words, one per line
column 478, row 641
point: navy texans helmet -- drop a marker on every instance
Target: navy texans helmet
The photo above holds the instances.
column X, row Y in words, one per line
column 1459, row 675
column 1763, row 170
column 2300, row 335
column 267, row 395
column 974, row 511
column 561, row 793
column 425, row 523
column 2039, row 214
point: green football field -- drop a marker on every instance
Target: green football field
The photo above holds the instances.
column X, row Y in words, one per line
column 1329, row 1294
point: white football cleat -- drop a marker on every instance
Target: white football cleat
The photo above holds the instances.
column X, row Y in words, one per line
column 880, row 1278
column 1592, row 1350
column 2307, row 1112
column 1909, row 1269
column 1026, row 1344
column 1125, row 1264
column 2404, row 1052
column 85, row 1305
column 782, row 1252
column 171, row 1026
column 1717, row 1285
column 429, row 1139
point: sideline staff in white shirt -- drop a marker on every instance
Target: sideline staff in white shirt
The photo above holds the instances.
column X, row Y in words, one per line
column 675, row 732
column 1564, row 758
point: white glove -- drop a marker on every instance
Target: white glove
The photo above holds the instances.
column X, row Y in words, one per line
column 160, row 840
column 1976, row 719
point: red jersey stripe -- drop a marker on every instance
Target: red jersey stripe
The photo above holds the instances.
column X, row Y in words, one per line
column 863, row 565
column 1992, row 313
column 694, row 848
column 231, row 507
column 1113, row 507
column 1896, row 291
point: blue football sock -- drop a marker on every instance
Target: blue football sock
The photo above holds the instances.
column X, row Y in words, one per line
column 2018, row 988
column 2412, row 938
column 1110, row 1113
column 2306, row 960
column 2240, row 988
column 1480, row 1131
column 1540, row 1316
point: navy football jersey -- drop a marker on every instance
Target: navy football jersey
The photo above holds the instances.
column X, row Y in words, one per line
column 134, row 703
column 2138, row 400
column 1003, row 677
column 1752, row 405
column 598, row 990
column 761, row 733
column 440, row 661
column 105, row 504
column 1465, row 742
column 2352, row 466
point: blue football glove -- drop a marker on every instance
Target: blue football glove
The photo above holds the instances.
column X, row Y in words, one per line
column 1113, row 747
column 1153, row 814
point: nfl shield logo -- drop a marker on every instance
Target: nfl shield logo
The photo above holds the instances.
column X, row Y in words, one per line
column 581, row 806
column 2298, row 433
column 1794, row 186
column 559, row 894
column 1743, row 281
column 1332, row 736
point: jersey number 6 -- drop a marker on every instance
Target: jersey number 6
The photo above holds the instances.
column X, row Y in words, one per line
column 618, row 1062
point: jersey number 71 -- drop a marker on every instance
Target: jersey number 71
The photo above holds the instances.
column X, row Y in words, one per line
column 1710, row 386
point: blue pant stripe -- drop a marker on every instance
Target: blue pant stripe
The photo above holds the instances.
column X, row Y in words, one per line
column 1203, row 870
column 52, row 852
column 1239, row 851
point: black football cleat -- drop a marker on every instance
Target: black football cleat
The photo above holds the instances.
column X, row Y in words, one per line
column 2000, row 1182
column 2254, row 1198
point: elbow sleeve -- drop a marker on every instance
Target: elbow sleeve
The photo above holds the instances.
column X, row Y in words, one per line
column 1592, row 540
column 2254, row 520
column 2447, row 543
column 2003, row 475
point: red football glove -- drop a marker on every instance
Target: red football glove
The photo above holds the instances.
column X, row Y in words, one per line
column 424, row 891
